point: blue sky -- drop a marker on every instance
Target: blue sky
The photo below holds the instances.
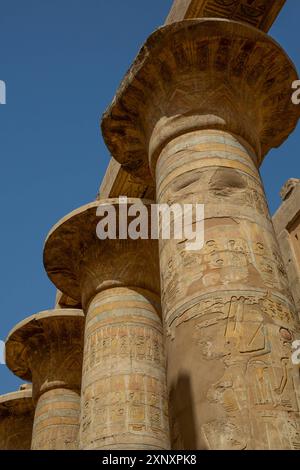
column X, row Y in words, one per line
column 62, row 61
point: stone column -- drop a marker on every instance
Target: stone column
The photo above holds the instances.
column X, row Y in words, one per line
column 124, row 403
column 47, row 350
column 16, row 420
column 286, row 223
column 202, row 105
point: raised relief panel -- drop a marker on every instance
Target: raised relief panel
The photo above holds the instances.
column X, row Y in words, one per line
column 287, row 228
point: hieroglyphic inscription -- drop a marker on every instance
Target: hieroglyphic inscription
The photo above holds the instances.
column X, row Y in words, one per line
column 124, row 398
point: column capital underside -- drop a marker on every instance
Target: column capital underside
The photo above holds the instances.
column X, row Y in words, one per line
column 81, row 265
column 47, row 349
column 201, row 74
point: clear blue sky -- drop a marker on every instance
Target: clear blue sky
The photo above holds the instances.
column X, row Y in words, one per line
column 62, row 61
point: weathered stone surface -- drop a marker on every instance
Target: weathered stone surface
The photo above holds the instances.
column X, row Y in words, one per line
column 16, row 420
column 202, row 105
column 124, row 402
column 64, row 301
column 96, row 264
column 231, row 299
column 261, row 13
column 118, row 182
column 47, row 349
column 124, row 395
column 288, row 188
column 56, row 420
column 181, row 70
column 287, row 227
column 258, row 13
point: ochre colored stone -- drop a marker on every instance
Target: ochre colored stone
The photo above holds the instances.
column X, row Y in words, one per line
column 117, row 182
column 201, row 106
column 16, row 420
column 258, row 13
column 124, row 396
column 124, row 402
column 64, row 301
column 261, row 13
column 47, row 349
column 287, row 227
column 288, row 188
column 177, row 81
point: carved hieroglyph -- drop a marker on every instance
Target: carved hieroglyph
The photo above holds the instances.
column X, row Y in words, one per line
column 47, row 349
column 289, row 188
column 124, row 402
column 201, row 106
column 16, row 420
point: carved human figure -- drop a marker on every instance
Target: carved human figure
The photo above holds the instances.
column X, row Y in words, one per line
column 16, row 419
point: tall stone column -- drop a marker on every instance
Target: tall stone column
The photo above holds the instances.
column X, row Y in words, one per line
column 47, row 349
column 203, row 103
column 16, row 420
column 124, row 403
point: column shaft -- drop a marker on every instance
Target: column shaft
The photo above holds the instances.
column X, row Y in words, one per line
column 124, row 403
